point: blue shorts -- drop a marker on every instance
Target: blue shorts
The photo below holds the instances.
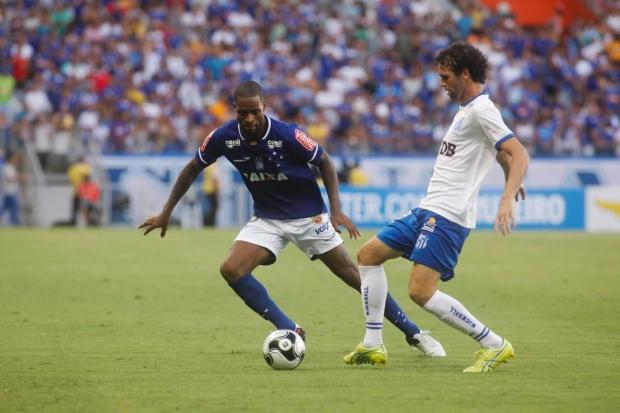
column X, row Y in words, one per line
column 426, row 238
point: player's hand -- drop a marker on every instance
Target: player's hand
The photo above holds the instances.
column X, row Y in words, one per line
column 521, row 192
column 505, row 220
column 159, row 221
column 338, row 218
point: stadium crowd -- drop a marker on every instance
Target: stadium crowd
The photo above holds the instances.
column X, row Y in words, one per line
column 156, row 76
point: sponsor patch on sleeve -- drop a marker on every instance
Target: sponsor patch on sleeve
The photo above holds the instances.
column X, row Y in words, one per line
column 203, row 147
column 304, row 140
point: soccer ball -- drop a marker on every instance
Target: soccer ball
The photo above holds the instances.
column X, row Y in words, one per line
column 284, row 349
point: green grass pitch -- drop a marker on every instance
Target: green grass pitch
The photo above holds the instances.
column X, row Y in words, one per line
column 110, row 321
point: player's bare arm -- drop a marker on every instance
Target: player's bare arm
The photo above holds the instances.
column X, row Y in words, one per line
column 184, row 181
column 330, row 180
column 519, row 160
column 503, row 159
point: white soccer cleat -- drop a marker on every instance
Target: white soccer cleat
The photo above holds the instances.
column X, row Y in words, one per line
column 427, row 344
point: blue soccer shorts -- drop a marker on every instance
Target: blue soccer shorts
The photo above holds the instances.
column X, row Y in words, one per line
column 426, row 238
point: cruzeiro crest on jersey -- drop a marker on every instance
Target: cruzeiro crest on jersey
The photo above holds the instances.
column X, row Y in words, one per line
column 259, row 163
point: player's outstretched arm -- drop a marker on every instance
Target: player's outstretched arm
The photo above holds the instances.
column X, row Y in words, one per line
column 184, row 181
column 330, row 180
column 503, row 159
column 519, row 160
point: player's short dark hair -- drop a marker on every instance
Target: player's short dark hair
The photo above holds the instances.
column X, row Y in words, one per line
column 460, row 56
column 249, row 89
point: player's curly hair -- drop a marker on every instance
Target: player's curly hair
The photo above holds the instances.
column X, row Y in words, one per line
column 460, row 56
column 248, row 89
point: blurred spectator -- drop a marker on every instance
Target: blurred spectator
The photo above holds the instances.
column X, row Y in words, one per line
column 6, row 137
column 62, row 141
column 351, row 173
column 21, row 57
column 77, row 173
column 7, row 87
column 89, row 202
column 43, row 129
column 10, row 191
column 210, row 194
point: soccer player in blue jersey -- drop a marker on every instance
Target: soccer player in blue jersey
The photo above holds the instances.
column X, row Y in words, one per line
column 273, row 158
column 432, row 235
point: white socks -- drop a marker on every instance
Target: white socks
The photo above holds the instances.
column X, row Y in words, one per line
column 374, row 292
column 452, row 312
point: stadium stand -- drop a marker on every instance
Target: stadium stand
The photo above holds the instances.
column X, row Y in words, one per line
column 153, row 77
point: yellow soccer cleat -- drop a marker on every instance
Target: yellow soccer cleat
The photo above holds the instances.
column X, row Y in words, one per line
column 376, row 355
column 489, row 358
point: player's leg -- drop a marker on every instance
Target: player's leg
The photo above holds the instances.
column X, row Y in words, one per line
column 340, row 263
column 258, row 243
column 318, row 239
column 435, row 254
column 371, row 258
column 373, row 280
column 423, row 290
column 237, row 271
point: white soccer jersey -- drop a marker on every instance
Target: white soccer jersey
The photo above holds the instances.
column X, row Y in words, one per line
column 466, row 154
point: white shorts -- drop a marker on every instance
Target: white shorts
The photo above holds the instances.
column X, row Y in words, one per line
column 313, row 235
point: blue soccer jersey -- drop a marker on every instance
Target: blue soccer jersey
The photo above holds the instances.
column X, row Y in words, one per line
column 275, row 169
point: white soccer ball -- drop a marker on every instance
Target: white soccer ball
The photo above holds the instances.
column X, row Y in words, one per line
column 284, row 349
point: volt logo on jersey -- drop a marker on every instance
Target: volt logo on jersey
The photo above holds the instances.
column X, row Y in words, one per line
column 274, row 144
column 447, row 148
column 322, row 228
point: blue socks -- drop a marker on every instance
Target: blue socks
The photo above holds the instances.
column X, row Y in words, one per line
column 397, row 316
column 255, row 296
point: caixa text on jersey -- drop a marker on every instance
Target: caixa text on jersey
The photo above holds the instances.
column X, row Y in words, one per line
column 264, row 176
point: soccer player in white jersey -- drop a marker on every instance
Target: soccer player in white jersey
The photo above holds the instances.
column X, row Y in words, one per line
column 273, row 158
column 432, row 235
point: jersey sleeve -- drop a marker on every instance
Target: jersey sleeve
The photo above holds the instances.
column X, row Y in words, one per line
column 209, row 151
column 306, row 148
column 493, row 126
